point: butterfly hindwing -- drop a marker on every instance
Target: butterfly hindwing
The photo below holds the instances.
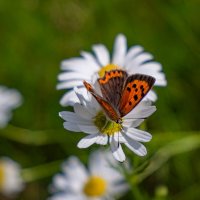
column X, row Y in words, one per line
column 112, row 85
column 135, row 88
column 110, row 111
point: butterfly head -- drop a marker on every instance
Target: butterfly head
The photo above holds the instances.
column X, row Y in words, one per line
column 119, row 121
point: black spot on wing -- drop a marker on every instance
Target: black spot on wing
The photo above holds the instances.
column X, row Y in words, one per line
column 134, row 85
column 135, row 97
column 128, row 89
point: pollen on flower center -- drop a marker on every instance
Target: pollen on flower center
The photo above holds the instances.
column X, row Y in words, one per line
column 95, row 186
column 106, row 126
column 107, row 68
column 1, row 174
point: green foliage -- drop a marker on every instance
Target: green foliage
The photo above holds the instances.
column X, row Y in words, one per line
column 37, row 35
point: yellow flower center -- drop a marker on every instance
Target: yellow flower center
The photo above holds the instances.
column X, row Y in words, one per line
column 1, row 174
column 106, row 126
column 107, row 68
column 95, row 186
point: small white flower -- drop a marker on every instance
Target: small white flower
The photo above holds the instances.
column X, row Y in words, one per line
column 9, row 99
column 101, row 181
column 88, row 117
column 91, row 66
column 10, row 179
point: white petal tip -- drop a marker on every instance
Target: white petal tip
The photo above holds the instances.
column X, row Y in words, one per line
column 80, row 145
column 60, row 114
column 142, row 152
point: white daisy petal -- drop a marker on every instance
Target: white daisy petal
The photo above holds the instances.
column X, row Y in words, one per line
column 103, row 164
column 152, row 66
column 67, row 76
column 140, row 112
column 12, row 182
column 117, row 150
column 135, row 146
column 72, row 117
column 98, row 159
column 69, row 84
column 77, row 65
column 82, row 95
column 71, row 126
column 91, row 60
column 139, row 59
column 73, row 167
column 138, row 135
column 60, row 182
column 90, row 129
column 129, row 122
column 132, row 52
column 121, row 138
column 87, row 141
column 66, row 115
column 102, row 54
column 82, row 112
column 67, row 196
column 69, row 99
column 162, row 82
column 9, row 100
column 102, row 139
column 151, row 96
column 119, row 50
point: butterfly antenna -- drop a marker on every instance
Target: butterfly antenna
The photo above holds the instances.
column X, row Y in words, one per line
column 109, row 139
column 118, row 140
column 118, row 135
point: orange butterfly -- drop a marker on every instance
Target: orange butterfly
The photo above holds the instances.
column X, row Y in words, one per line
column 120, row 92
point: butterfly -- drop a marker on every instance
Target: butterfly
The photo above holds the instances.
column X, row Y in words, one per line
column 120, row 92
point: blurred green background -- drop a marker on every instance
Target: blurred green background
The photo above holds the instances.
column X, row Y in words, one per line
column 36, row 35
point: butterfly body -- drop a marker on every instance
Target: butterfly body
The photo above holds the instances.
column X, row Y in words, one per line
column 120, row 92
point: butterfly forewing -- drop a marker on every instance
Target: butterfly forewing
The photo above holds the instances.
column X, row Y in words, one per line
column 135, row 88
column 108, row 108
column 112, row 85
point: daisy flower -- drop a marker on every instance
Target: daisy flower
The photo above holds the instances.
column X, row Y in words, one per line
column 10, row 179
column 89, row 117
column 91, row 66
column 101, row 181
column 9, row 99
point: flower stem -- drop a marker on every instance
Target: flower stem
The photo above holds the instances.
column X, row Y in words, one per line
column 136, row 193
column 41, row 171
